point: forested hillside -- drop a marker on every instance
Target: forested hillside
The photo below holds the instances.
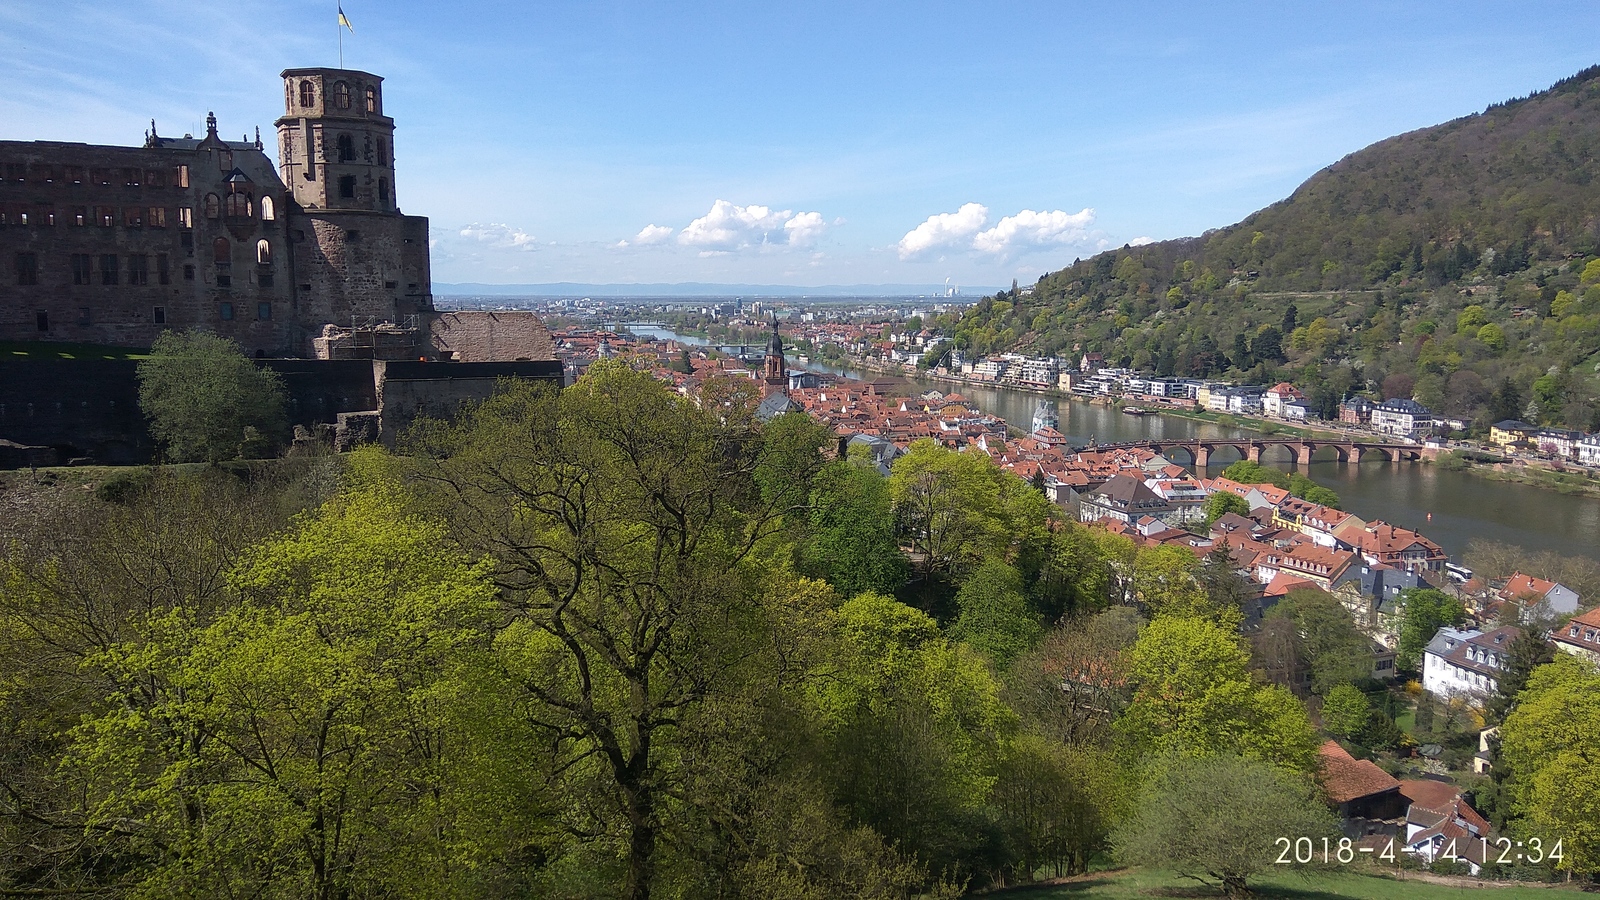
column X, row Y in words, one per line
column 1446, row 263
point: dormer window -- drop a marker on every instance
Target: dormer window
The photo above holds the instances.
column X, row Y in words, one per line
column 341, row 95
column 308, row 93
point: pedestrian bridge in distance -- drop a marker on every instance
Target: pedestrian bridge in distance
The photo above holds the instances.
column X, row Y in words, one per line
column 1200, row 450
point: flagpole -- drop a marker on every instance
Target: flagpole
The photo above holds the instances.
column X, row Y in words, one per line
column 339, row 27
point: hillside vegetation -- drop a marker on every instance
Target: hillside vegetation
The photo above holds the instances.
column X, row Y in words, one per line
column 1455, row 264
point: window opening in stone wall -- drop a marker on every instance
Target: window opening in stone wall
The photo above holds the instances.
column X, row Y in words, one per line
column 188, row 273
column 105, row 215
column 308, row 93
column 73, row 174
column 372, row 99
column 186, row 240
column 41, row 320
column 108, row 268
column 268, row 213
column 80, row 215
column 347, row 187
column 27, row 268
column 225, row 310
column 182, row 179
column 16, row 171
column 185, row 217
column 163, row 273
column 133, row 216
column 155, row 178
column 22, row 217
column 383, row 192
column 157, row 217
column 341, row 95
column 159, row 315
column 221, row 252
column 225, row 160
column 239, row 206
column 132, row 177
column 101, row 177
column 264, row 311
column 263, row 253
column 81, row 271
column 383, row 152
column 224, row 280
column 346, row 148
column 138, row 269
column 47, row 217
column 213, row 206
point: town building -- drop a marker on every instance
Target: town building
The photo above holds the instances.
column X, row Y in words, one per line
column 1539, row 597
column 1580, row 636
column 1460, row 663
column 1402, row 548
column 1122, row 498
column 1400, row 417
column 1355, row 411
column 1273, row 401
column 1510, row 433
column 1588, row 450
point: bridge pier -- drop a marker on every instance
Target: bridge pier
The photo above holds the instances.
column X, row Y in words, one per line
column 1303, row 455
column 1254, row 454
column 1202, row 455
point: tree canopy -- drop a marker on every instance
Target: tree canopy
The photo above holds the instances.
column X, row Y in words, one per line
column 207, row 402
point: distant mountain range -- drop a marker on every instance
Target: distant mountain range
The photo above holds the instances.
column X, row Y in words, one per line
column 563, row 289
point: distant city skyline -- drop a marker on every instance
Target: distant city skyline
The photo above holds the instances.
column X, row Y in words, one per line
column 836, row 144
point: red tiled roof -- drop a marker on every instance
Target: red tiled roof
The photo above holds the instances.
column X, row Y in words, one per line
column 1346, row 778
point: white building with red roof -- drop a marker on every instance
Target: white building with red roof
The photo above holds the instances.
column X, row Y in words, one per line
column 1273, row 401
column 1580, row 636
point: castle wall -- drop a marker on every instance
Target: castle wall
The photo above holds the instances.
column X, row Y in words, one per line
column 353, row 267
column 472, row 336
column 90, row 408
column 113, row 245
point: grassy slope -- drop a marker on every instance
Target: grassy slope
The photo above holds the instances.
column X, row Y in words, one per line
column 1324, row 885
column 29, row 350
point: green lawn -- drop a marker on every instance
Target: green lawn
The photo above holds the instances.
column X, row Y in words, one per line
column 1320, row 885
column 61, row 350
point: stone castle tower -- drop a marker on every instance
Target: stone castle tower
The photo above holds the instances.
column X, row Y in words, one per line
column 357, row 259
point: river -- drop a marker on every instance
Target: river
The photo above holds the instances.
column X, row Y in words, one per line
column 1463, row 506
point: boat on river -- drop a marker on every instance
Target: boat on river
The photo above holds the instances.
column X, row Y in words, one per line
column 1134, row 410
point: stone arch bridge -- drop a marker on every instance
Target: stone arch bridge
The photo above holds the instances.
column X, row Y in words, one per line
column 1201, row 449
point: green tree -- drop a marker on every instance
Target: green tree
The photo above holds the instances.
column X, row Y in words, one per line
column 1194, row 695
column 914, row 725
column 1423, row 611
column 995, row 618
column 1528, row 651
column 1335, row 649
column 313, row 740
column 630, row 576
column 1493, row 337
column 1215, row 818
column 1506, row 402
column 1221, row 503
column 1345, row 711
column 1055, row 804
column 207, row 402
column 960, row 508
column 851, row 542
column 1550, row 742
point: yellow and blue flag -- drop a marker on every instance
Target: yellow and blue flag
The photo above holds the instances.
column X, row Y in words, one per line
column 345, row 21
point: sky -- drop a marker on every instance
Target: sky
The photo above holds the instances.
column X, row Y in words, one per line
column 803, row 143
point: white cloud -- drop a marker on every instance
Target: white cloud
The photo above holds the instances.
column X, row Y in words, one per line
column 944, row 230
column 1029, row 230
column 728, row 227
column 650, row 234
column 500, row 236
column 804, row 229
column 1141, row 241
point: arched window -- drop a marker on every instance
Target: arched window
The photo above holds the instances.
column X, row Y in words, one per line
column 267, row 212
column 383, row 192
column 221, row 252
column 213, row 206
column 263, row 253
column 347, row 148
column 308, row 93
column 372, row 99
column 341, row 95
column 239, row 206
